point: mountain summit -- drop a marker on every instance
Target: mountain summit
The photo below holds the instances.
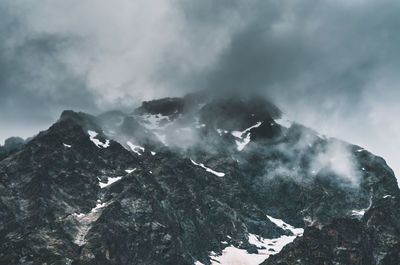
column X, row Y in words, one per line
column 195, row 180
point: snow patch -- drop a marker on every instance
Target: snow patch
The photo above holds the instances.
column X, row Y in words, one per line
column 129, row 171
column 97, row 142
column 237, row 134
column 242, row 144
column 153, row 153
column 219, row 174
column 67, row 145
column 135, row 148
column 235, row 256
column 252, row 127
column 222, row 132
column 280, row 223
column 266, row 247
column 110, row 181
column 359, row 213
column 270, row 246
column 244, row 140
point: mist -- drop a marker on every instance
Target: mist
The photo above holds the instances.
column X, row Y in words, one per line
column 330, row 65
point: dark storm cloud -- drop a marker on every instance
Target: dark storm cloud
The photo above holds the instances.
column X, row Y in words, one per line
column 35, row 78
column 315, row 48
column 285, row 48
column 330, row 64
column 35, row 83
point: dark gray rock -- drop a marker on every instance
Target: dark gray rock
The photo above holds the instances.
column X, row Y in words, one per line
column 375, row 239
column 165, row 208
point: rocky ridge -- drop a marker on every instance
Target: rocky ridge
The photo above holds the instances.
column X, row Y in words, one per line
column 194, row 180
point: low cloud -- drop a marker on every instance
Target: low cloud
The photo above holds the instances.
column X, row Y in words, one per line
column 337, row 159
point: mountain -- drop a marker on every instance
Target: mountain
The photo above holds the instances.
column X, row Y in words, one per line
column 195, row 180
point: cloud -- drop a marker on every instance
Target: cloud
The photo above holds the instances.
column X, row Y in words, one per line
column 35, row 81
column 329, row 64
column 338, row 160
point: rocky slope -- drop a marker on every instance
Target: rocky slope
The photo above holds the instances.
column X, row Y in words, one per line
column 372, row 240
column 194, row 180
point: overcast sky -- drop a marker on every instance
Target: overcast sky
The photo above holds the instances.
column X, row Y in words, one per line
column 332, row 65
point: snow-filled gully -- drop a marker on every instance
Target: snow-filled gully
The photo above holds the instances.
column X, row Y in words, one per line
column 232, row 255
column 135, row 148
column 218, row 174
column 243, row 141
column 97, row 142
column 85, row 222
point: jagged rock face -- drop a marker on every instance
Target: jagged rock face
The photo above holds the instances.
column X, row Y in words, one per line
column 193, row 180
column 166, row 107
column 375, row 239
column 233, row 114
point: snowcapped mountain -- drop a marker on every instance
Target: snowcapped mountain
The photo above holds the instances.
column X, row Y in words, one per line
column 194, row 180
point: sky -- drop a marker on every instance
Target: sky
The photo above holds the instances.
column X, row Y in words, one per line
column 329, row 64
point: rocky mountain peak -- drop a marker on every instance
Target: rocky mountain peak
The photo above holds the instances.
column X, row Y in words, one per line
column 165, row 106
column 194, row 180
